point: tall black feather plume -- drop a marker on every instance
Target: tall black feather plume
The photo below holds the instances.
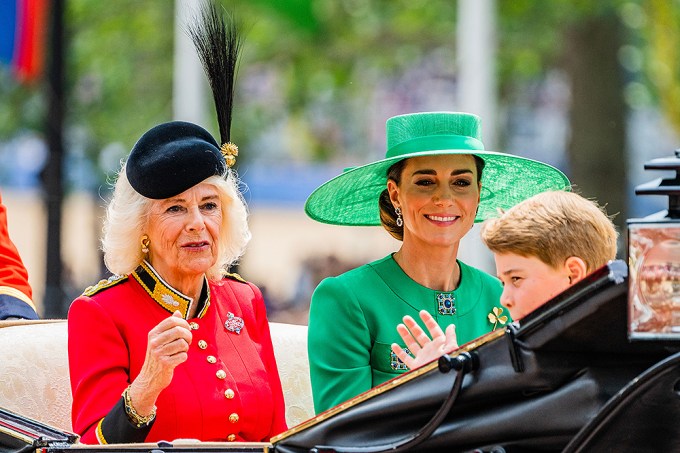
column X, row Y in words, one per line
column 218, row 42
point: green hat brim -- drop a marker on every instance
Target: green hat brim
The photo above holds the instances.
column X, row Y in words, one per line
column 351, row 198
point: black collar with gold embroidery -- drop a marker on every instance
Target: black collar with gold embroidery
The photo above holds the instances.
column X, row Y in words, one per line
column 165, row 295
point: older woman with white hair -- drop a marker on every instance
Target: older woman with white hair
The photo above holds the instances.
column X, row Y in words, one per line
column 172, row 346
column 186, row 344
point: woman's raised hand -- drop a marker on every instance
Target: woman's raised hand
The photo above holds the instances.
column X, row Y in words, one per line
column 423, row 348
column 167, row 347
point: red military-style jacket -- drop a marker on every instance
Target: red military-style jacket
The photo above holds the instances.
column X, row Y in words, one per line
column 15, row 291
column 227, row 390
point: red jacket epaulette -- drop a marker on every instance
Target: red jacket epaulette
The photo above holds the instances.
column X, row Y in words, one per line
column 104, row 284
column 233, row 276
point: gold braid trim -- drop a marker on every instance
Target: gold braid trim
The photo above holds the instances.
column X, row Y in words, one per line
column 100, row 434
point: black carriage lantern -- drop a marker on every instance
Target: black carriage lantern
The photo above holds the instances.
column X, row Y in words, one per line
column 654, row 260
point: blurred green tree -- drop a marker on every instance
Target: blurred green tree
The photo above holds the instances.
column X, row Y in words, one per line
column 583, row 39
column 312, row 66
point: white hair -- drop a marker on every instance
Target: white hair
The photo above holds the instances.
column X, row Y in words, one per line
column 127, row 217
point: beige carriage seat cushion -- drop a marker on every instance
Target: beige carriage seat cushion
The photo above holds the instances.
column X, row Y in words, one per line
column 290, row 349
column 34, row 376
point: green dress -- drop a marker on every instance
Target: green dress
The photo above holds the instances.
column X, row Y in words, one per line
column 353, row 319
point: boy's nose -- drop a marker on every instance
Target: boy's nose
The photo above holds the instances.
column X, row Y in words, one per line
column 506, row 299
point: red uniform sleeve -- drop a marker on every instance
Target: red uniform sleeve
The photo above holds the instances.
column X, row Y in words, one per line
column 14, row 286
column 98, row 365
column 279, row 420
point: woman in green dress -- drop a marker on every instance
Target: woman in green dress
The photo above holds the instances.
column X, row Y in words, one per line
column 435, row 182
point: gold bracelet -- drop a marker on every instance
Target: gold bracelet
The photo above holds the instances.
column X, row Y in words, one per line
column 136, row 419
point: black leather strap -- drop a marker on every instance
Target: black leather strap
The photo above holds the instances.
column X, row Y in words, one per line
column 463, row 364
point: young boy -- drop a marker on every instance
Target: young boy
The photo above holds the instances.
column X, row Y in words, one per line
column 541, row 247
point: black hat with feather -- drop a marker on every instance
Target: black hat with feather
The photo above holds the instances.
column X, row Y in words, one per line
column 175, row 156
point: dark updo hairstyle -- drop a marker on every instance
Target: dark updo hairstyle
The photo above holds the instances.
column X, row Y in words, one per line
column 388, row 216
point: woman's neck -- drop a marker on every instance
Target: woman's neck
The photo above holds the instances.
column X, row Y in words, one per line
column 192, row 289
column 190, row 285
column 433, row 267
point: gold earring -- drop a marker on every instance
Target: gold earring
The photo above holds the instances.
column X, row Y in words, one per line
column 145, row 244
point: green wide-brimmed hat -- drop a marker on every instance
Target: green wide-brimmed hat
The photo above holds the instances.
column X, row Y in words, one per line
column 352, row 197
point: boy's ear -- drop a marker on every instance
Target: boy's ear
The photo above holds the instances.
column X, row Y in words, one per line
column 577, row 269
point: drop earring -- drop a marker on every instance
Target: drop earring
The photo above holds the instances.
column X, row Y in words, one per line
column 145, row 244
column 400, row 221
